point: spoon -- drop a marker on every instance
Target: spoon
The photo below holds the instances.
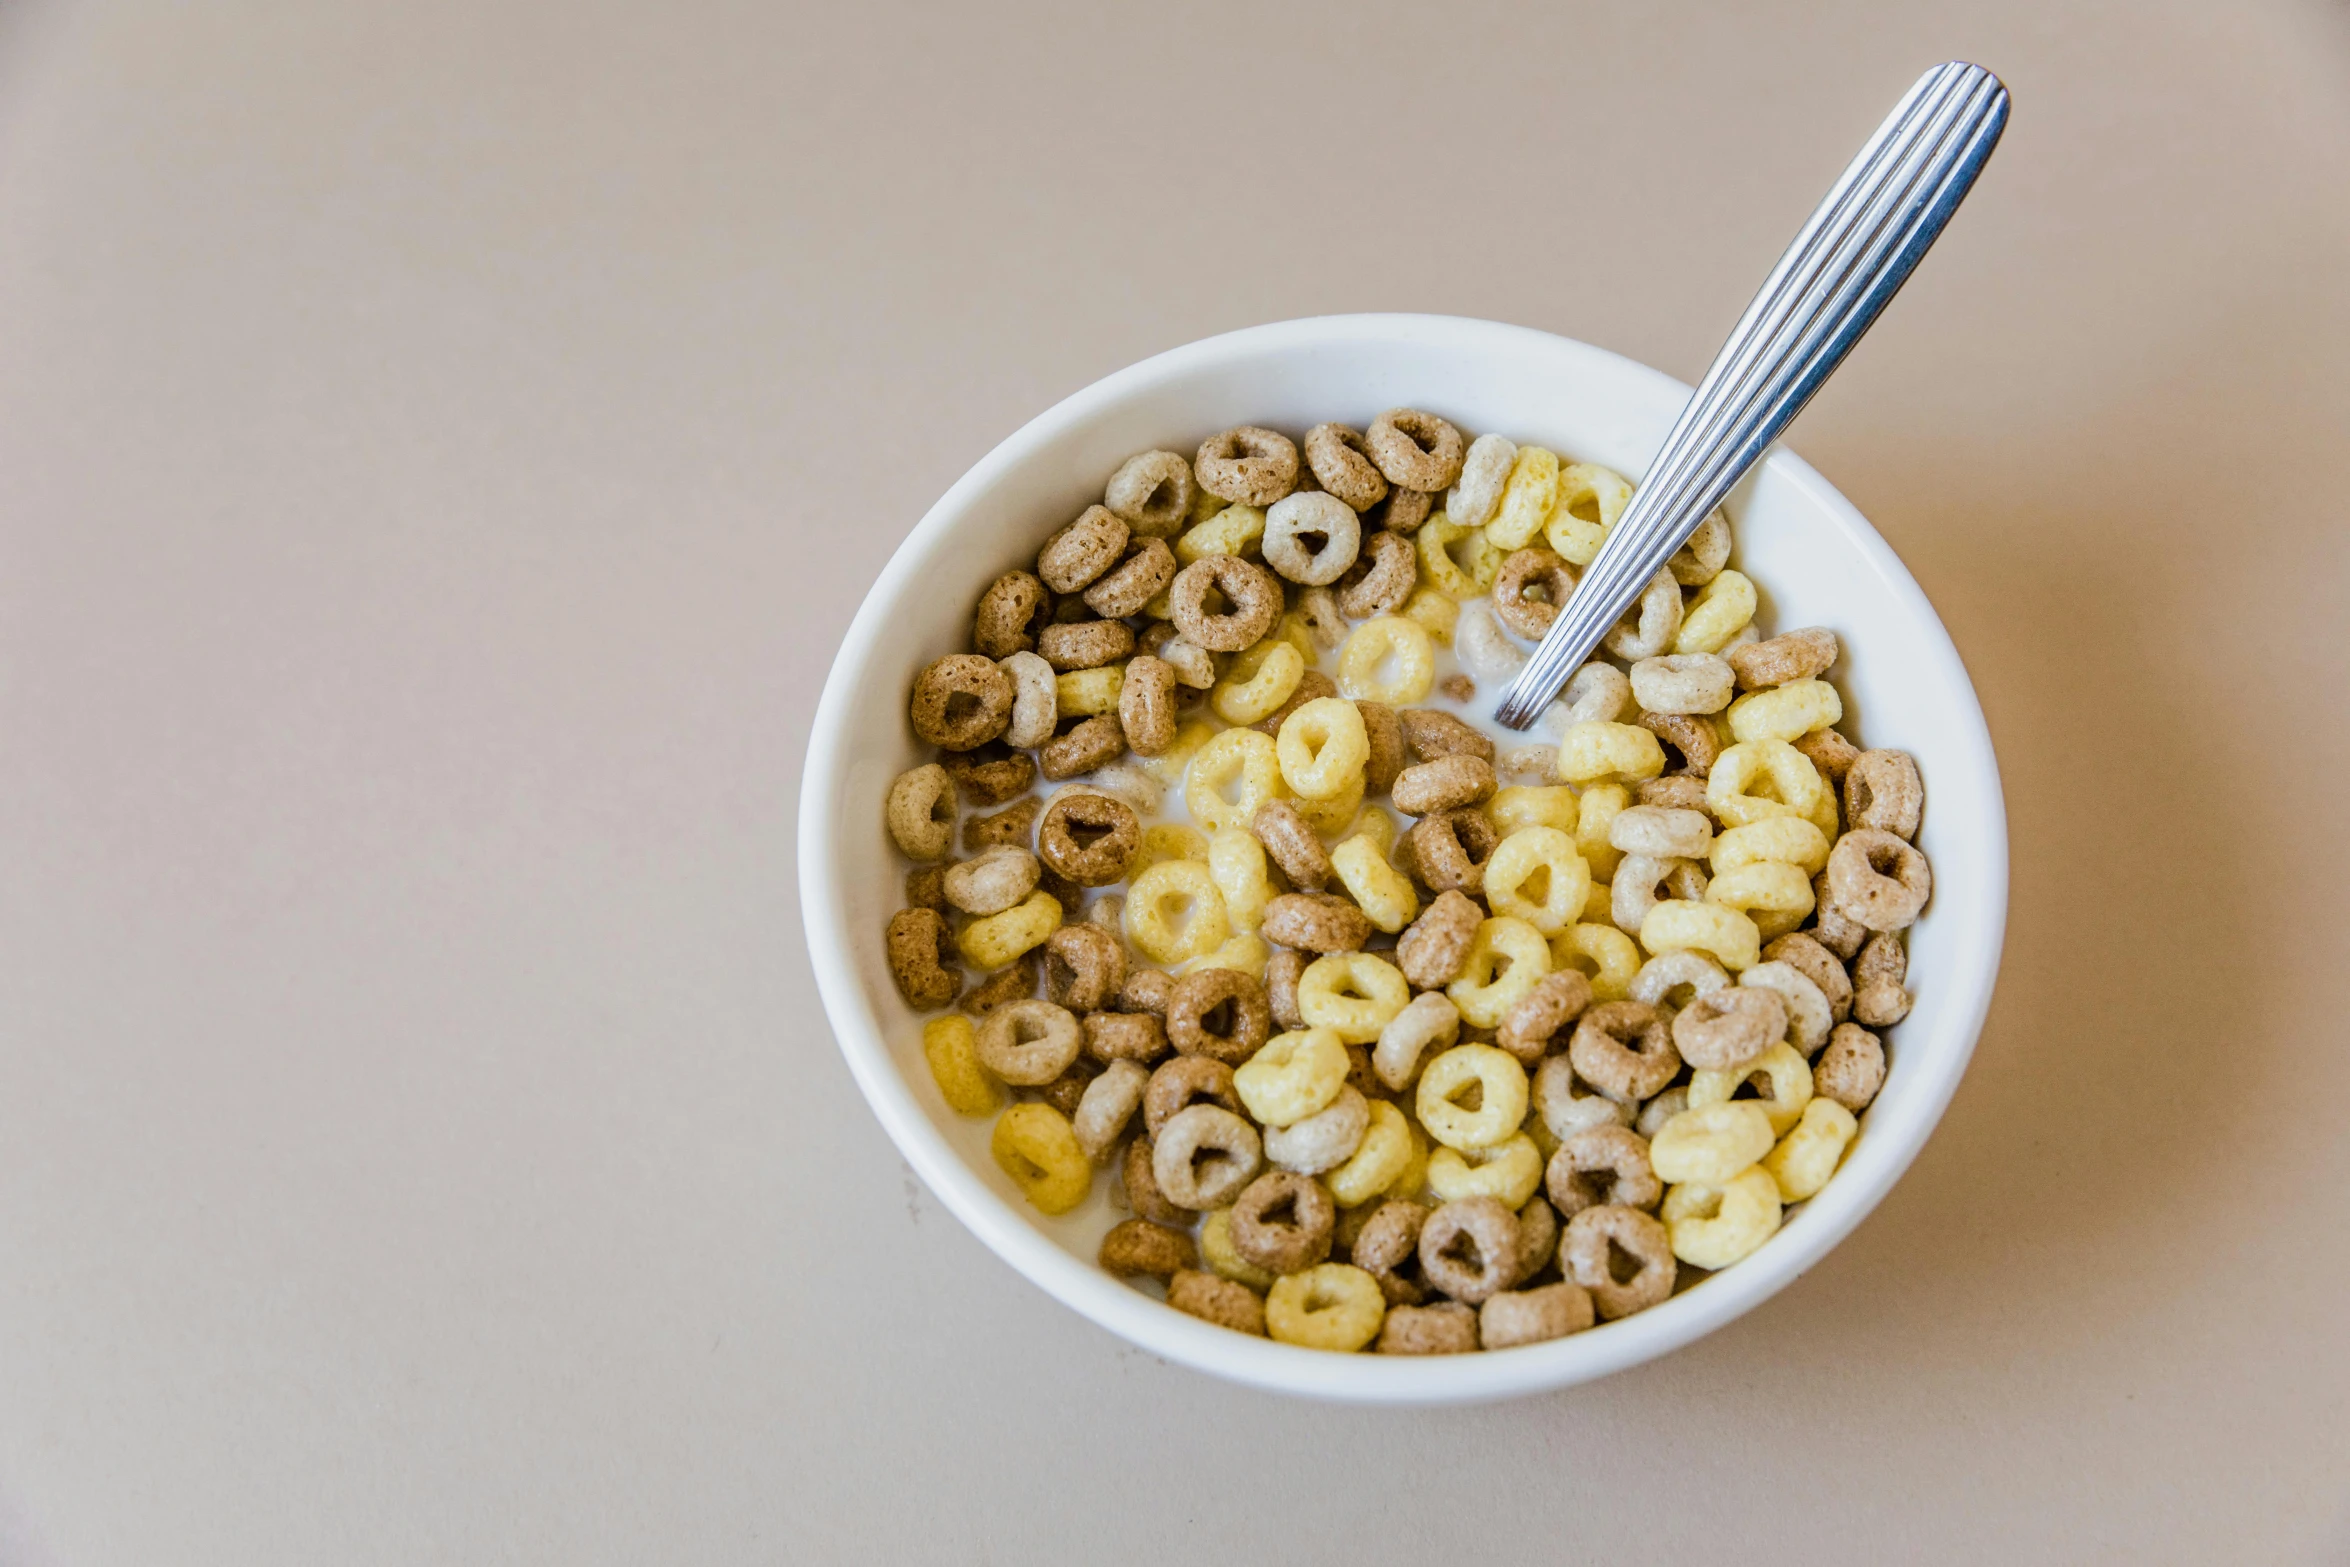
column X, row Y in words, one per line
column 1849, row 260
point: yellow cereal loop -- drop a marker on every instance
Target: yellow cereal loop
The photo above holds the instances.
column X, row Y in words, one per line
column 1035, row 1145
column 1433, row 612
column 1084, row 692
column 1758, row 779
column 1590, row 500
column 1293, row 630
column 1677, row 925
column 1528, row 805
column 1528, row 497
column 1719, row 612
column 1322, row 747
column 1537, row 875
column 1237, row 862
column 1714, row 1226
column 1167, row 841
column 1221, row 1256
column 951, row 1046
column 1605, row 954
column 1788, row 840
column 1236, row 530
column 1511, row 1171
column 1388, row 660
column 1765, row 887
column 1205, row 504
column 1599, row 908
column 1333, row 1305
column 1378, row 888
column 1458, row 562
column 1782, row 1067
column 1174, row 912
column 1259, row 681
column 1809, row 1154
column 1600, row 806
column 1332, row 817
column 1382, row 1155
column 1292, row 1075
column 1507, row 958
column 1711, row 1145
column 1414, row 1179
column 1167, row 767
column 1787, row 712
column 999, row 938
column 1353, row 994
column 1245, row 953
column 1596, row 750
column 1472, row 1096
column 1230, row 777
column 1376, row 825
column 1824, row 814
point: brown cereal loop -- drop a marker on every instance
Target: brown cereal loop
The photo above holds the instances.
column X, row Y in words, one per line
column 1139, row 1248
column 1011, row 611
column 1097, row 742
column 1516, row 1317
column 1625, row 1050
column 1293, row 845
column 1194, row 667
column 1361, row 1076
column 1387, row 1247
column 1830, row 753
column 1282, row 972
column 1525, row 573
column 1832, row 928
column 991, row 774
column 1793, row 655
column 1312, row 686
column 1406, row 511
column 1341, row 463
column 1589, row 1254
column 1014, row 982
column 1142, row 576
column 1385, row 733
column 1085, row 644
column 1676, row 791
column 1218, row 1300
column 1882, row 957
column 1726, row 1029
column 1142, row 1187
column 1538, row 1240
column 1450, row 783
column 1544, row 1020
column 1447, row 852
column 1089, row 838
column 1691, row 734
column 1028, row 1043
column 1204, row 1155
column 1247, row 465
column 961, row 701
column 1151, row 492
column 1382, row 577
column 1880, row 1003
column 1878, row 881
column 1219, row 1013
column 1146, row 990
column 1124, row 1036
column 1082, row 551
column 926, row 887
column 1282, row 1222
column 1799, row 951
column 1083, row 967
column 1469, row 1248
column 1433, row 734
column 1015, row 824
column 922, row 959
column 1253, row 592
column 1883, row 792
column 920, row 812
column 1315, row 922
column 1183, row 1082
column 1446, row 1328
column 1602, row 1164
column 1434, row 946
column 1852, row 1068
column 1146, row 706
column 1415, row 450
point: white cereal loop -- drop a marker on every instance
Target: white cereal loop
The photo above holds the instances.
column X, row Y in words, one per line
column 1649, row 627
column 1662, row 831
column 1153, row 492
column 1677, row 978
column 1684, row 683
column 1323, row 1140
column 1700, row 560
column 1470, row 502
column 1318, row 608
column 1595, row 694
column 1312, row 537
column 1430, row 1019
column 1809, row 1017
column 1129, row 785
column 1109, row 1102
column 1636, row 888
column 1036, row 700
column 1485, row 650
column 1565, row 1111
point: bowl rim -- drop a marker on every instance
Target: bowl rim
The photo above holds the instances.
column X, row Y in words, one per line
column 1875, row 1165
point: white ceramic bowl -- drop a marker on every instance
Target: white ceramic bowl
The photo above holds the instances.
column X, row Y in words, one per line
column 1816, row 561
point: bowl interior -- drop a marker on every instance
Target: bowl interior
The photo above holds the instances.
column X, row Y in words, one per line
column 1814, row 561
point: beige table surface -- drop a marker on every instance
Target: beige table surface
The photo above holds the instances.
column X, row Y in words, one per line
column 440, row 447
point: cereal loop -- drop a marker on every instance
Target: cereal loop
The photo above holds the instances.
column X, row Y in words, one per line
column 1089, row 838
column 921, row 959
column 1175, row 912
column 1735, row 787
column 1135, row 1036
column 1449, row 783
column 1218, row 1013
column 1597, row 1237
column 1282, row 1222
column 1536, row 875
column 1092, row 744
column 1378, row 1159
column 1446, row 1328
column 950, row 1046
column 1353, row 994
column 1220, row 1301
column 1469, row 1249
column 1592, row 752
column 1784, row 1076
column 920, row 812
column 1701, row 559
column 1387, row 660
column 1383, row 893
column 1472, row 1096
column 1333, row 1306
column 1603, row 1164
column 1623, row 1049
column 1311, row 538
column 1591, row 498
column 1151, row 492
column 1033, row 1144
column 1518, row 1317
column 1809, row 1153
column 1852, row 1069
column 1323, row 748
column 1203, row 1155
column 1878, row 881
column 1084, row 966
column 991, row 882
column 1415, row 450
column 1381, row 580
column 1323, row 1140
column 1528, row 498
column 1247, row 465
column 961, row 701
column 1650, row 625
column 1292, row 844
column 1713, row 1226
column 1293, row 1076
column 1710, row 1144
column 1505, row 962
column 1509, row 1171
column 1082, row 551
column 1137, row 1248
column 1012, row 610
column 1485, row 470
column 1544, row 1020
column 1251, row 592
column 1341, row 463
column 1794, row 655
column 1882, row 792
column 1259, row 681
column 1531, row 589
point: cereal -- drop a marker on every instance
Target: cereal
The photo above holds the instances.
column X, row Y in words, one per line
column 1203, row 1155
column 1322, row 749
column 992, row 881
column 1324, row 1140
column 1108, row 1105
column 1457, row 562
column 1311, row 538
column 1840, row 934
column 921, row 959
column 1536, row 1316
column 1312, row 686
column 1236, row 530
column 1252, row 594
column 1092, row 744
column 1852, row 1069
column 1701, row 559
column 1382, row 892
column 1137, row 1247
column 1447, row 852
column 1549, row 805
column 1596, row 752
column 1662, row 833
column 1218, row 1252
column 1650, row 625
column 1683, row 683
column 1427, row 1020
column 1563, row 1111
column 1316, row 922
column 1334, row 1306
column 1388, row 1249
column 1220, row 1301
column 1594, row 694
column 1877, row 973
column 1341, row 464
column 1602, row 1164
column 1446, row 1328
column 1537, row 875
column 1723, row 1030
column 1528, row 497
column 1291, row 844
column 1124, row 1036
column 1783, row 1075
column 1218, row 1013
column 1292, row 1076
column 1446, row 784
column 1151, row 492
column 1883, row 793
column 1510, row 1170
column 1433, row 612
column 1415, row 450
column 949, row 1045
column 1282, row 1222
column 1082, row 551
column 1544, row 1020
column 1878, row 881
column 920, row 812
column 1406, row 510
column 1085, row 644
column 1809, row 1014
column 1142, row 1187
column 1485, row 470
column 1231, row 778
column 1590, row 500
column 1088, row 838
column 1035, row 1147
column 1711, row 1144
column 1677, row 923
column 1387, row 660
column 1830, row 753
column 1028, row 1043
column 1015, row 824
column 1809, row 1153
column 1175, row 912
column 1816, row 963
column 1381, row 580
column 1247, row 465
column 1767, row 892
column 1720, row 611
column 1036, row 700
column 1796, row 655
column 1016, row 983
column 961, row 701
column 1484, row 649
column 926, row 887
column 1505, row 961
column 1613, row 957
column 1624, row 1049
column 1693, row 736
column 1597, row 1237
column 1469, row 1248
column 1146, row 705
column 1088, row 693
column 1713, row 1225
column 1011, row 612
column 1472, row 1096
column 1379, row 1159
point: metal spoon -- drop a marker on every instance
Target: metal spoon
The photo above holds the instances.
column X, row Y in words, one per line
column 1849, row 260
